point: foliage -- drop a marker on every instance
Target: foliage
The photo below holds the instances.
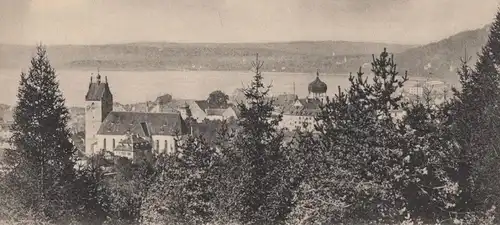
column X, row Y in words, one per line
column 218, row 99
column 128, row 188
column 184, row 191
column 361, row 165
column 43, row 162
column 474, row 125
column 375, row 168
column 254, row 161
column 163, row 99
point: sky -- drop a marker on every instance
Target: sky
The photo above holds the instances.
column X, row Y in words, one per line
column 119, row 21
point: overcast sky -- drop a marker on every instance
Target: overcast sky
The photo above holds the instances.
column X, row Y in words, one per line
column 117, row 21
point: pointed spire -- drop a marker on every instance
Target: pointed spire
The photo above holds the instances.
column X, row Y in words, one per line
column 106, row 79
column 98, row 76
column 294, row 87
column 317, row 73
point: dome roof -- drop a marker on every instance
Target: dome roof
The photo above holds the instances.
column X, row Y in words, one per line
column 317, row 86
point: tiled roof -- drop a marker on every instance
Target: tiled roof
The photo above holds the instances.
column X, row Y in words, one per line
column 284, row 99
column 310, row 103
column 96, row 91
column 309, row 107
column 139, row 143
column 163, row 108
column 134, row 139
column 212, row 110
column 215, row 112
column 143, row 124
column 204, row 105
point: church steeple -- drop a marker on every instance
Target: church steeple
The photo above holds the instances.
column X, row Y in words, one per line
column 317, row 87
column 99, row 103
column 98, row 77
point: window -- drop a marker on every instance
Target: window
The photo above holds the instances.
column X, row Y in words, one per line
column 165, row 144
column 157, row 144
column 104, row 144
column 113, row 143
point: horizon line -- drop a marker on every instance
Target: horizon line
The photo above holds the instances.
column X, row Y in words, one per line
column 249, row 42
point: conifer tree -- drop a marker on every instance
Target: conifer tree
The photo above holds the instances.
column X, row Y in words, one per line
column 474, row 114
column 43, row 155
column 256, row 163
column 368, row 166
column 184, row 191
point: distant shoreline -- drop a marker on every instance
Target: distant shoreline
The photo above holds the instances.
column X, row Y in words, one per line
column 104, row 70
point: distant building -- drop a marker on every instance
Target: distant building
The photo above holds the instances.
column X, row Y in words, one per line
column 280, row 102
column 302, row 112
column 317, row 89
column 201, row 110
column 160, row 128
column 105, row 129
column 133, row 146
column 437, row 89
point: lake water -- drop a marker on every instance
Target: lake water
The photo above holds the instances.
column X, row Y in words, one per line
column 132, row 87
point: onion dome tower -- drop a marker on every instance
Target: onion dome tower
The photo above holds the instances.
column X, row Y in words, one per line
column 317, row 89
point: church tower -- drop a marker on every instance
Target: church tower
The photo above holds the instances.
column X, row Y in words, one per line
column 317, row 89
column 98, row 104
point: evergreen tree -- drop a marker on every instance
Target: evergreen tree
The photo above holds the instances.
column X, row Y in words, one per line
column 474, row 114
column 184, row 192
column 128, row 189
column 431, row 191
column 93, row 195
column 43, row 155
column 370, row 168
column 256, row 162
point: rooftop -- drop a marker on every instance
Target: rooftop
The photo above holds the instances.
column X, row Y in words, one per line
column 143, row 124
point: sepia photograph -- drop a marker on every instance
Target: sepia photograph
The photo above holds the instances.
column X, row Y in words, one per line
column 263, row 112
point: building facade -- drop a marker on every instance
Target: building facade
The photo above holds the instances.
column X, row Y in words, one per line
column 300, row 114
column 98, row 104
column 106, row 130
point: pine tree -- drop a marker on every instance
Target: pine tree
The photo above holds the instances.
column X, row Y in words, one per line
column 256, row 163
column 363, row 170
column 474, row 118
column 43, row 155
column 184, row 192
column 431, row 190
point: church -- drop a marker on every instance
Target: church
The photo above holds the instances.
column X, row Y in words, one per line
column 301, row 112
column 126, row 133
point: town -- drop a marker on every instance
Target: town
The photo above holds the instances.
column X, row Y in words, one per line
column 249, row 113
column 105, row 125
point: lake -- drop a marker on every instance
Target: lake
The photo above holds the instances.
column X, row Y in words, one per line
column 131, row 87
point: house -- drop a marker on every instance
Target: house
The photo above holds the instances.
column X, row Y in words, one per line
column 201, row 110
column 160, row 128
column 133, row 147
column 280, row 102
column 106, row 129
column 301, row 112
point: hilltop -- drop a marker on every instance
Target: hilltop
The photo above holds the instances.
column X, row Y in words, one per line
column 442, row 58
column 303, row 56
column 439, row 59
